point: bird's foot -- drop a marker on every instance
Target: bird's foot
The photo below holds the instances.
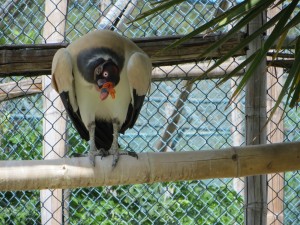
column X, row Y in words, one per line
column 99, row 152
column 116, row 155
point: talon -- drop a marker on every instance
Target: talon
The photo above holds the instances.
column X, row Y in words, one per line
column 130, row 153
column 115, row 160
column 100, row 152
column 103, row 153
column 116, row 156
column 92, row 155
column 133, row 154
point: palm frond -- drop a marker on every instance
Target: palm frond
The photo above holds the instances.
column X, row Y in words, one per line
column 262, row 53
column 161, row 6
column 222, row 20
column 241, row 14
column 241, row 45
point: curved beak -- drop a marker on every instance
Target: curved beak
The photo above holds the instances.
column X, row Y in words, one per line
column 101, row 82
column 105, row 88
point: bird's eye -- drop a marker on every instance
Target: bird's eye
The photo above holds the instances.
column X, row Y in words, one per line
column 105, row 74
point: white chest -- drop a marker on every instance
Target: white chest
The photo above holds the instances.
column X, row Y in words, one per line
column 92, row 107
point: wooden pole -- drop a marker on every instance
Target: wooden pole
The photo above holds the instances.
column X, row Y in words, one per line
column 149, row 167
column 275, row 135
column 15, row 89
column 237, row 131
column 54, row 122
column 256, row 116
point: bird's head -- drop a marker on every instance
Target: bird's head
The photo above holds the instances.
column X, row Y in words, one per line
column 106, row 76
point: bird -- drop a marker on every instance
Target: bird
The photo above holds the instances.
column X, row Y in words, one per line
column 102, row 79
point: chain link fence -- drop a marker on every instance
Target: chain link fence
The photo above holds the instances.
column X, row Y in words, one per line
column 175, row 117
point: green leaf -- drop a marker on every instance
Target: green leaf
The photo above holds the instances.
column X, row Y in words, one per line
column 279, row 44
column 243, row 44
column 261, row 53
column 163, row 5
column 284, row 90
column 245, row 12
column 243, row 22
column 292, row 80
column 237, row 69
column 295, row 74
column 244, row 80
column 230, row 15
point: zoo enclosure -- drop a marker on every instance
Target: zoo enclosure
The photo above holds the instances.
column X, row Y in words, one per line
column 186, row 118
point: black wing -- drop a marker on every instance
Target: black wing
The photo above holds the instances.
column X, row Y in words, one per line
column 133, row 112
column 103, row 132
column 139, row 70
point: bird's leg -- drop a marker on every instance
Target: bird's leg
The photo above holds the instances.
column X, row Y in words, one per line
column 93, row 152
column 114, row 150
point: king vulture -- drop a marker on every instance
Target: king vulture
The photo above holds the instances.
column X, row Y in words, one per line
column 102, row 79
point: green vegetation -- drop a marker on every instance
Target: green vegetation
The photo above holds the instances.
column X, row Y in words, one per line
column 163, row 203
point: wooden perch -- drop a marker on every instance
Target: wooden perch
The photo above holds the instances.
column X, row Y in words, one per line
column 28, row 60
column 33, row 60
column 149, row 168
column 15, row 89
column 11, row 90
column 36, row 59
column 190, row 71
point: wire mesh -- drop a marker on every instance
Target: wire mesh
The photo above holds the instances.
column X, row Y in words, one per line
column 203, row 122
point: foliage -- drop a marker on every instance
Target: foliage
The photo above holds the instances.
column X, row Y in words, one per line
column 242, row 14
column 163, row 203
column 22, row 208
column 22, row 24
column 21, row 138
column 291, row 195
